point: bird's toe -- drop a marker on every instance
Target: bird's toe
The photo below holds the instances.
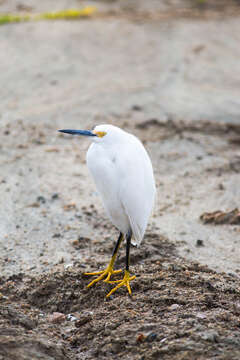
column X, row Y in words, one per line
column 124, row 282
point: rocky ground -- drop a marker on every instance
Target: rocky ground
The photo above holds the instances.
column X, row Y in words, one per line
column 167, row 72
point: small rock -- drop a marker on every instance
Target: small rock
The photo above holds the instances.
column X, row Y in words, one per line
column 34, row 205
column 56, row 318
column 201, row 316
column 55, row 196
column 2, row 297
column 199, row 243
column 41, row 199
column 78, row 215
column 69, row 207
column 61, row 260
column 174, row 307
column 151, row 337
column 221, row 186
column 237, row 307
column 52, row 149
column 163, row 340
column 75, row 242
column 211, row 336
column 83, row 321
column 141, row 338
column 117, row 348
column 56, row 235
column 67, row 266
column 71, row 317
column 136, row 108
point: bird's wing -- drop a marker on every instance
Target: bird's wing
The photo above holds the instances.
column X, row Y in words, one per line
column 137, row 190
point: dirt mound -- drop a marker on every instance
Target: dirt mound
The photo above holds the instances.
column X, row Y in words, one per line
column 178, row 310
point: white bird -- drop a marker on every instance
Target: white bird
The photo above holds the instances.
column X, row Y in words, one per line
column 123, row 174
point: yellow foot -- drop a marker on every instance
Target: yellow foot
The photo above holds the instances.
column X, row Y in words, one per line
column 108, row 272
column 125, row 281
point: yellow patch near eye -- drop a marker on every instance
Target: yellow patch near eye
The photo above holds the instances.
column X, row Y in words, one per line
column 100, row 133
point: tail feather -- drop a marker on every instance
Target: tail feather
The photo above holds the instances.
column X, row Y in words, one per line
column 137, row 233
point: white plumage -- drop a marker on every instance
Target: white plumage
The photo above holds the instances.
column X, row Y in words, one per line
column 122, row 172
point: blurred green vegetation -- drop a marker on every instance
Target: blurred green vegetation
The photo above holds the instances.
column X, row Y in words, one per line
column 64, row 14
column 8, row 18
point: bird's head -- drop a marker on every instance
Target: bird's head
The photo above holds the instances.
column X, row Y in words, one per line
column 100, row 133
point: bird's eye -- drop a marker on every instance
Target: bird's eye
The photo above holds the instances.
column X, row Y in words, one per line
column 100, row 133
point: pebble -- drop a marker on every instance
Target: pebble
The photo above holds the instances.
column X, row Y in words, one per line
column 137, row 108
column 141, row 338
column 2, row 297
column 199, row 243
column 56, row 318
column 201, row 316
column 75, row 242
column 78, row 215
column 41, row 199
column 71, row 317
column 163, row 340
column 151, row 337
column 67, row 266
column 211, row 336
column 174, row 307
column 56, row 235
column 55, row 196
column 83, row 321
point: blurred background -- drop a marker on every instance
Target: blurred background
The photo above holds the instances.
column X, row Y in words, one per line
column 167, row 71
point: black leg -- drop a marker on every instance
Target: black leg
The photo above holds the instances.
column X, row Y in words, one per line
column 120, row 238
column 128, row 244
column 127, row 278
column 108, row 272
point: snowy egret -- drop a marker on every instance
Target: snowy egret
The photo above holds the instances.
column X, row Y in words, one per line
column 123, row 174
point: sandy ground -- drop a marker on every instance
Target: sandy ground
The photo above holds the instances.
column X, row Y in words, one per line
column 169, row 74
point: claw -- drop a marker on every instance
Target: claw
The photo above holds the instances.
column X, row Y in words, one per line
column 125, row 281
